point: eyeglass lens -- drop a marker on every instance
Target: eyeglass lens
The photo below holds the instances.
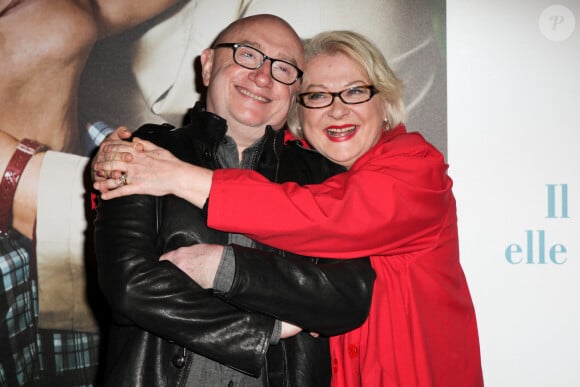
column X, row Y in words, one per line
column 352, row 95
column 252, row 58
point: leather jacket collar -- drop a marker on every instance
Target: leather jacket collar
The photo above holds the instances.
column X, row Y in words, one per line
column 212, row 128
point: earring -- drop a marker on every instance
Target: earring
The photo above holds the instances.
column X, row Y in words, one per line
column 387, row 124
column 298, row 132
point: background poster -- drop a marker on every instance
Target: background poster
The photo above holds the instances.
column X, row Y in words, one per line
column 150, row 74
column 513, row 93
column 494, row 85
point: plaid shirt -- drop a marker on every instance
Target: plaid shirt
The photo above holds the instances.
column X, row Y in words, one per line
column 30, row 356
column 96, row 133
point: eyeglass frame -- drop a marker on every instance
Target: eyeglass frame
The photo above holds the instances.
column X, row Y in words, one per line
column 235, row 46
column 372, row 88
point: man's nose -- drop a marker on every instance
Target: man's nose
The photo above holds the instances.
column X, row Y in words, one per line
column 263, row 75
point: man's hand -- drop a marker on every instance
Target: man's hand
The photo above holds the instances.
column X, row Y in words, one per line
column 118, row 137
column 200, row 262
column 141, row 167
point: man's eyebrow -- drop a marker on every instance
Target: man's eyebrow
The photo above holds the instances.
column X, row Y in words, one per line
column 251, row 43
column 280, row 56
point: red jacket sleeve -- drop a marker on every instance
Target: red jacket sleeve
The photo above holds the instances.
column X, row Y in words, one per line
column 392, row 201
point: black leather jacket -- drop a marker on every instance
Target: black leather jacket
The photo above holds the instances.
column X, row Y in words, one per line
column 160, row 314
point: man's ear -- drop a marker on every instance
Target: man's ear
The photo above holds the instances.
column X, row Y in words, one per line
column 206, row 65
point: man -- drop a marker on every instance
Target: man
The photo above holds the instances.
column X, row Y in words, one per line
column 168, row 330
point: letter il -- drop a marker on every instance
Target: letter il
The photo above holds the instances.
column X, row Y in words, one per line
column 557, row 196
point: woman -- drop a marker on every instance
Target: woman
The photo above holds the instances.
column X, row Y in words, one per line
column 394, row 203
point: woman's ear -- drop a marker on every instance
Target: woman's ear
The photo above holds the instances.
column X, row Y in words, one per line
column 206, row 65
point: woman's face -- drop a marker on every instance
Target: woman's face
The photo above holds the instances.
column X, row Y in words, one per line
column 341, row 132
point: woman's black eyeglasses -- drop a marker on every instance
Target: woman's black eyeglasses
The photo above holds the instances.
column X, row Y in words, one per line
column 350, row 96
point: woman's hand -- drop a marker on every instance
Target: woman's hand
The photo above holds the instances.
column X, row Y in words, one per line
column 289, row 330
column 138, row 167
column 124, row 168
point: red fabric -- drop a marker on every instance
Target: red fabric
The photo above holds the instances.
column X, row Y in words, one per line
column 288, row 137
column 93, row 201
column 396, row 205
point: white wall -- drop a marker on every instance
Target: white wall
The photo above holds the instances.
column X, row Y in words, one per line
column 513, row 130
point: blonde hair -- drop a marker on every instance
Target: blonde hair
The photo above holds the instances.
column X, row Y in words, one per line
column 371, row 60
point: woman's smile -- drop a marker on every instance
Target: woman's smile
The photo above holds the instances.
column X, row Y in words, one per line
column 341, row 133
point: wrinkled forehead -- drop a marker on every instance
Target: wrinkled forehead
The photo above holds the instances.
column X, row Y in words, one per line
column 271, row 36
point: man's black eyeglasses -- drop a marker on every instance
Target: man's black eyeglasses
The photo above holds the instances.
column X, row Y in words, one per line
column 252, row 58
column 350, row 96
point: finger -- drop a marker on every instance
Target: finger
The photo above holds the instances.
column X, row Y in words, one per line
column 98, row 175
column 147, row 145
column 124, row 132
column 117, row 181
column 111, row 146
column 100, row 172
column 107, row 175
column 114, row 136
column 115, row 151
column 118, row 156
column 121, row 191
column 121, row 133
column 107, row 167
column 107, row 185
column 101, row 186
column 115, row 175
column 127, row 157
column 101, row 154
column 105, row 149
column 165, row 257
column 138, row 144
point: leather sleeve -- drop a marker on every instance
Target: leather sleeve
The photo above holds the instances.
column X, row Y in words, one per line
column 331, row 297
column 160, row 298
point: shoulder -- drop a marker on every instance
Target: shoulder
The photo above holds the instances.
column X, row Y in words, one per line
column 164, row 135
column 399, row 142
column 153, row 132
column 406, row 153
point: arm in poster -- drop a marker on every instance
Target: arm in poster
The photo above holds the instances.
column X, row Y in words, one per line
column 53, row 122
column 114, row 16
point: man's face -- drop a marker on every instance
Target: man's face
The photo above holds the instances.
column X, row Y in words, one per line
column 251, row 99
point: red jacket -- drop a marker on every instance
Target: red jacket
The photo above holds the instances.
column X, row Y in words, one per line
column 396, row 205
